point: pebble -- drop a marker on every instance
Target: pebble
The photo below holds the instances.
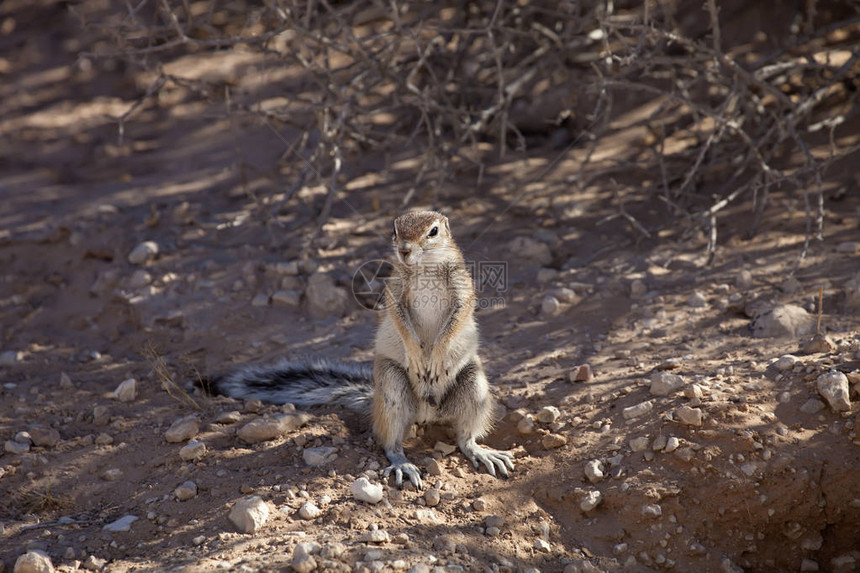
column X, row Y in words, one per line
column 849, row 247
column 590, row 500
column 637, row 288
column 550, row 307
column 199, row 540
column 697, row 300
column 785, row 362
column 93, row 563
column 319, row 456
column 479, row 505
column 332, row 550
column 18, row 448
column 548, row 415
column 552, row 441
column 833, row 386
column 229, row 417
column 583, row 374
column 143, row 253
column 812, row 406
column 101, row 416
column 288, row 298
column 639, row 409
column 309, row 511
column 743, row 280
column 304, row 563
column 808, row 565
column 10, row 357
column 43, row 436
column 444, row 449
column 186, row 491
column 261, row 299
column 819, row 343
column 433, row 467
column 594, row 471
column 689, row 416
column 496, row 521
column 33, row 561
column 112, row 474
column 103, row 439
column 66, row 382
column 663, row 383
column 126, row 391
column 659, row 443
column 542, row 546
column 249, row 514
column 121, row 524
column 139, row 279
column 640, row 444
column 432, row 497
column 193, row 451
column 324, row 297
column 378, row 536
column 253, row 405
column 420, row 568
column 693, row 392
column 362, row 490
column 785, row 320
column 183, row 429
column 672, row 444
column 270, row 428
column 585, row 566
column 526, row 425
column 531, row 250
column 652, row 510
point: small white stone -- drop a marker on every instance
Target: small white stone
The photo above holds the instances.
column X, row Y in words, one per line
column 319, row 456
column 542, row 546
column 270, row 428
column 126, row 391
column 10, row 357
column 363, row 490
column 672, row 444
column 309, row 510
column 689, row 416
column 526, row 425
column 637, row 410
column 663, row 383
column 193, row 451
column 594, row 471
column 260, row 300
column 121, row 524
column 833, row 386
column 432, row 497
column 652, row 510
column 590, row 500
column 639, row 444
column 33, row 561
column 183, row 429
column 378, row 536
column 548, row 415
column 18, row 448
column 697, row 300
column 143, row 253
column 186, row 491
column 550, row 307
column 785, row 362
column 249, row 514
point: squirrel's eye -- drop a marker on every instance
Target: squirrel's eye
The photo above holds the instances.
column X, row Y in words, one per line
column 434, row 231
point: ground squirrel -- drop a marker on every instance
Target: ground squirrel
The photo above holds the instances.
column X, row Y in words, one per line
column 426, row 367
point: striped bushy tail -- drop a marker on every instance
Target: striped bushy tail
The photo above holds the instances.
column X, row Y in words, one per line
column 313, row 382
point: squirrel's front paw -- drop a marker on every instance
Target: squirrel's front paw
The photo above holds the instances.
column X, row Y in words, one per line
column 437, row 370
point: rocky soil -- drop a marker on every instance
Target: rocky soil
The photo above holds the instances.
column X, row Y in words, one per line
column 665, row 414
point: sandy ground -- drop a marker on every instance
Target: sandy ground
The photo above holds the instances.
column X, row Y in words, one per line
column 767, row 482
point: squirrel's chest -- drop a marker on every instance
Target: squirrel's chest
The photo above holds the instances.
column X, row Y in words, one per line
column 428, row 303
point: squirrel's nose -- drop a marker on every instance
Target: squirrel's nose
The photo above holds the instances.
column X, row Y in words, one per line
column 405, row 252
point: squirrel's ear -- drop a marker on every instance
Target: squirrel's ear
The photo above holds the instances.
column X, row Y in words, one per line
column 447, row 226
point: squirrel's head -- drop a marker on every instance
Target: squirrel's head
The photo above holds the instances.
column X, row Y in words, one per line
column 418, row 234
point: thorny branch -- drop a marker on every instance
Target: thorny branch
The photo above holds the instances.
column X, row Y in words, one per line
column 404, row 78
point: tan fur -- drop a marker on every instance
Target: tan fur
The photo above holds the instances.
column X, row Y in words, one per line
column 426, row 367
